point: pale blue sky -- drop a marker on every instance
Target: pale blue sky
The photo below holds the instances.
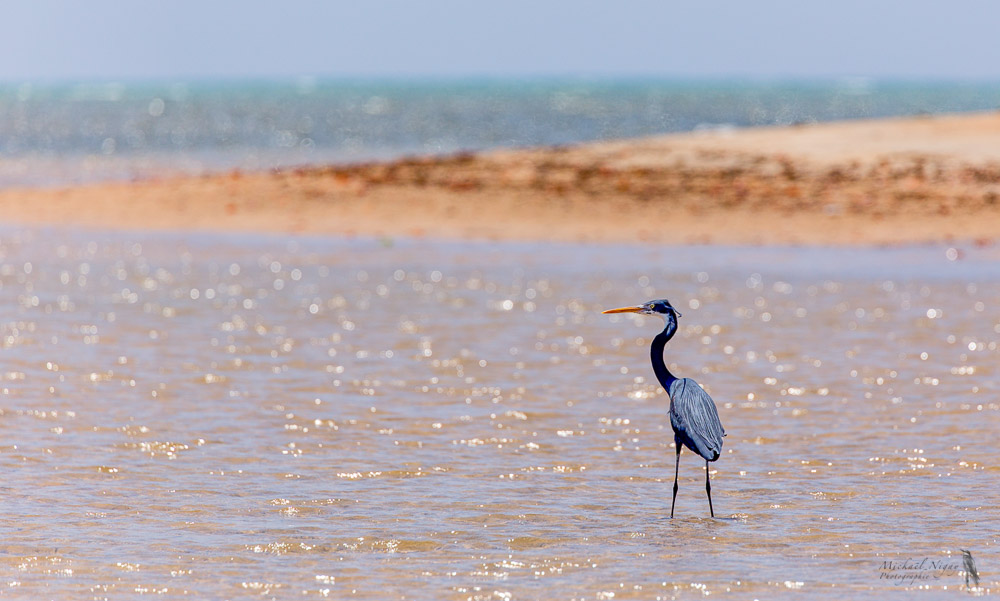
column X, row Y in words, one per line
column 45, row 40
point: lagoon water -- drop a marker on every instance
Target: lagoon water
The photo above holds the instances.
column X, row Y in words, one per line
column 222, row 416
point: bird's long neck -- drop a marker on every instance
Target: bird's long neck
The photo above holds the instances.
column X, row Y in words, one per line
column 656, row 352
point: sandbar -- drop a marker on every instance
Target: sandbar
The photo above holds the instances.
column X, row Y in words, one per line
column 891, row 181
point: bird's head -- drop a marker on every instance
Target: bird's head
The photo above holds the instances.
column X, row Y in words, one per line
column 660, row 307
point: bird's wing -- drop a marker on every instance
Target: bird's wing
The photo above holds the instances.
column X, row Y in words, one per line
column 695, row 418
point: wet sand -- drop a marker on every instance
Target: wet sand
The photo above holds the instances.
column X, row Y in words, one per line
column 920, row 179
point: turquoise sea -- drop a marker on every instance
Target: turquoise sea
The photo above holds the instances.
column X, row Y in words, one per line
column 66, row 133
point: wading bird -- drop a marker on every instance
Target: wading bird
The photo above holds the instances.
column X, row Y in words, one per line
column 969, row 565
column 692, row 412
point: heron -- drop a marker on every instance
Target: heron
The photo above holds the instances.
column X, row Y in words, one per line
column 692, row 412
column 969, row 565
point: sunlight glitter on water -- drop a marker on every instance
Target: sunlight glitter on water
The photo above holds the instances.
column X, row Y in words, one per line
column 224, row 416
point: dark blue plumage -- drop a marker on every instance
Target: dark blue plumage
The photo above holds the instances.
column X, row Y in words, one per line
column 693, row 414
column 695, row 419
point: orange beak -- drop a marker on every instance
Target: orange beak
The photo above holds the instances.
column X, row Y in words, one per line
column 625, row 310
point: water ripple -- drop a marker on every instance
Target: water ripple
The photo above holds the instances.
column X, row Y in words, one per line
column 228, row 416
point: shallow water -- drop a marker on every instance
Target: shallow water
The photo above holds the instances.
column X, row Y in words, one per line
column 211, row 416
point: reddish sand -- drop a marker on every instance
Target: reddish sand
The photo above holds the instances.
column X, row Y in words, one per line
column 864, row 182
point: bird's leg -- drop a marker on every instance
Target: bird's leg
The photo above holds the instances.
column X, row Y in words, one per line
column 708, row 489
column 677, row 467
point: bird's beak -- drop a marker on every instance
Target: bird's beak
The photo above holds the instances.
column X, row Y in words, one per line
column 625, row 310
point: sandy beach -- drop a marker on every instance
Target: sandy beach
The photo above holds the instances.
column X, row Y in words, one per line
column 919, row 179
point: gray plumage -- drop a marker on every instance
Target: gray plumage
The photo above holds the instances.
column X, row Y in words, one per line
column 695, row 419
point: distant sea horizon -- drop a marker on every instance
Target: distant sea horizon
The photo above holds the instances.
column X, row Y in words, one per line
column 80, row 132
